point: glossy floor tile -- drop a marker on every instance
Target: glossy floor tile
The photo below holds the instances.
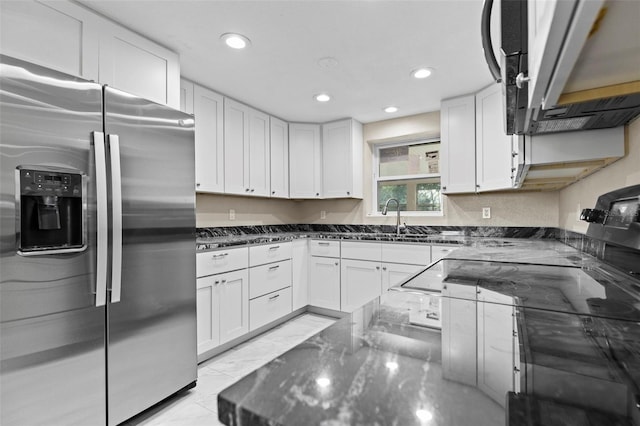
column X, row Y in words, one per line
column 198, row 406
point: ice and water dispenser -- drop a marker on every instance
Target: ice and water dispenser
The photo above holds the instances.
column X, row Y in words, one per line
column 52, row 210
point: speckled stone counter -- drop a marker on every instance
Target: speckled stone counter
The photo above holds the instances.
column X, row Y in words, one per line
column 218, row 238
column 522, row 333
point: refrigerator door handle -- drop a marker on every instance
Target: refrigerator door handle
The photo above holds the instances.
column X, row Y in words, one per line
column 116, row 215
column 102, row 244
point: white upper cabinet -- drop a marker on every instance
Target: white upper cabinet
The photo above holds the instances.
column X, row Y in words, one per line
column 69, row 38
column 186, row 96
column 258, row 163
column 60, row 35
column 305, row 161
column 209, row 143
column 458, row 160
column 493, row 146
column 136, row 65
column 236, row 133
column 279, row 158
column 246, row 150
column 342, row 159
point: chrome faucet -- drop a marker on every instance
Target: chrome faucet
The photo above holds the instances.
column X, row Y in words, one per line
column 386, row 208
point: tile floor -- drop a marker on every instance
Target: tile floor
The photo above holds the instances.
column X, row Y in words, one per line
column 199, row 406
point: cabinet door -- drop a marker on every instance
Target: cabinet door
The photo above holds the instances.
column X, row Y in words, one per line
column 299, row 273
column 236, row 137
column 458, row 144
column 136, row 65
column 57, row 35
column 324, row 282
column 493, row 146
column 495, row 345
column 305, row 162
column 396, row 273
column 361, row 250
column 186, row 96
column 279, row 158
column 416, row 254
column 459, row 333
column 208, row 324
column 258, row 163
column 233, row 308
column 209, row 113
column 360, row 282
column 339, row 163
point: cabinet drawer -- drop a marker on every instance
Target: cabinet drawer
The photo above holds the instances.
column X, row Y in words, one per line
column 361, row 250
column 259, row 255
column 267, row 278
column 327, row 248
column 413, row 254
column 269, row 308
column 438, row 252
column 215, row 262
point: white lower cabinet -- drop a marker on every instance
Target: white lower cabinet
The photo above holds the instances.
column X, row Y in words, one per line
column 361, row 281
column 324, row 282
column 459, row 333
column 496, row 345
column 222, row 308
column 270, row 307
column 299, row 274
column 396, row 273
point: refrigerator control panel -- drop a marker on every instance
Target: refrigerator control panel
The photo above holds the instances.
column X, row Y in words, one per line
column 34, row 182
column 52, row 210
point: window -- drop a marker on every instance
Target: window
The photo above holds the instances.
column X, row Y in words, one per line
column 410, row 173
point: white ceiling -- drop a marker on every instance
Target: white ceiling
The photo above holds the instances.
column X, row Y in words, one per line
column 376, row 44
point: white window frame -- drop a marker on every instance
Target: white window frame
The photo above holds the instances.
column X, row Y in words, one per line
column 375, row 167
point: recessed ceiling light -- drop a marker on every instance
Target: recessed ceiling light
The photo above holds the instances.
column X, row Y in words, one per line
column 323, row 382
column 322, row 97
column 235, row 41
column 391, row 109
column 421, row 72
column 424, row 415
column 327, row 62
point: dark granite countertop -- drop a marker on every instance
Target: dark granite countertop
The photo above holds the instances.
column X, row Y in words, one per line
column 218, row 238
column 575, row 344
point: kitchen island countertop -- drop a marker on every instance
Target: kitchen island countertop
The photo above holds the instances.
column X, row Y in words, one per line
column 378, row 366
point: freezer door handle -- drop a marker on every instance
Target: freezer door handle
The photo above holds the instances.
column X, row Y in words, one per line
column 116, row 215
column 102, row 244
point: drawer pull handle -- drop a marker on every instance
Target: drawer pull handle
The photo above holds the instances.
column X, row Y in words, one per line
column 215, row 256
column 323, row 244
column 274, row 248
column 216, row 282
column 274, row 297
column 273, row 268
column 223, row 281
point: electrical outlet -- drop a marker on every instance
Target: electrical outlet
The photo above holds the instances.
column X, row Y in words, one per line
column 486, row 212
column 232, row 214
column 323, row 214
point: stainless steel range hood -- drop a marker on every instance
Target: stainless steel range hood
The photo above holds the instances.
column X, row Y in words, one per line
column 599, row 87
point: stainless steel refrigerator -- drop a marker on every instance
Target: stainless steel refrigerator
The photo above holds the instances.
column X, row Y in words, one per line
column 97, row 273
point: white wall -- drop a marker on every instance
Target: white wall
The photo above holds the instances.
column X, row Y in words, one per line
column 584, row 193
